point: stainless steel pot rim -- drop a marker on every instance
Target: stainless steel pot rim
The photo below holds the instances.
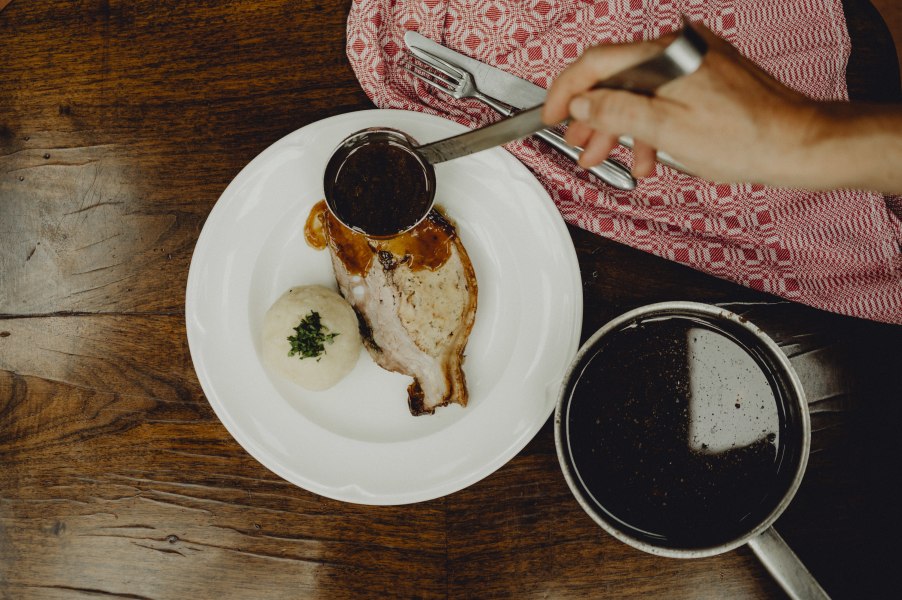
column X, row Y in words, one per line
column 780, row 359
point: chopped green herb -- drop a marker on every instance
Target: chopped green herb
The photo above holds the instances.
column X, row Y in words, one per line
column 310, row 337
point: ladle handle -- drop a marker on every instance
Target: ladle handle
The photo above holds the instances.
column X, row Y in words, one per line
column 785, row 567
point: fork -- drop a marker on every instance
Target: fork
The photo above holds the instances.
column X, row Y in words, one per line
column 459, row 84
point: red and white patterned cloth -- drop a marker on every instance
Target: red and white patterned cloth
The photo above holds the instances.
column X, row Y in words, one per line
column 840, row 251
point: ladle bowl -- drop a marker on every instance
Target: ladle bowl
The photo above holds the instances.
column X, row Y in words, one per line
column 385, row 201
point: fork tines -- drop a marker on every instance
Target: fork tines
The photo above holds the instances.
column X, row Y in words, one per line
column 430, row 76
column 437, row 63
column 436, row 72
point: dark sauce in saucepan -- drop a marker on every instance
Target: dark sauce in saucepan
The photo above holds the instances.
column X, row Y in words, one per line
column 380, row 189
column 677, row 431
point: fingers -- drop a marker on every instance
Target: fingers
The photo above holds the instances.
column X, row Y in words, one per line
column 594, row 65
column 600, row 116
column 597, row 149
column 615, row 112
column 578, row 134
column 605, row 122
column 643, row 160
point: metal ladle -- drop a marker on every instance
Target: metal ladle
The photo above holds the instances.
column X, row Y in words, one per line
column 681, row 57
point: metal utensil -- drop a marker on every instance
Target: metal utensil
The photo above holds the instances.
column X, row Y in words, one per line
column 458, row 83
column 505, row 87
column 681, row 56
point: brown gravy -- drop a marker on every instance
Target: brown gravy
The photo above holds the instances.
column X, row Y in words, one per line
column 381, row 189
column 426, row 246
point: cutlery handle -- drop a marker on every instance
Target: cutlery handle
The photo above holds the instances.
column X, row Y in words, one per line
column 785, row 566
column 610, row 171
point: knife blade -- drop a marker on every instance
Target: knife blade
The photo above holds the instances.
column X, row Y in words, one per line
column 506, row 87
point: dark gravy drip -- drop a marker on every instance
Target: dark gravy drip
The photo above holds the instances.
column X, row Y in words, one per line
column 426, row 246
column 676, row 432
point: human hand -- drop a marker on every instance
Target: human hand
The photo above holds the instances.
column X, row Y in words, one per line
column 728, row 121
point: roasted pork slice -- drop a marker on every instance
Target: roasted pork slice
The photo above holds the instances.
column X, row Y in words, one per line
column 415, row 297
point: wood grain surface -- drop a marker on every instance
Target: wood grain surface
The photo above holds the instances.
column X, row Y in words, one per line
column 120, row 125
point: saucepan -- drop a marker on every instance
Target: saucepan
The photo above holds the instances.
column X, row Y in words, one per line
column 683, row 430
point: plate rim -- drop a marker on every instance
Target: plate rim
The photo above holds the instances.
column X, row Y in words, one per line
column 262, row 456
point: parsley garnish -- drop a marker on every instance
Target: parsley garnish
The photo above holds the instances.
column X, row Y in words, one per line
column 309, row 339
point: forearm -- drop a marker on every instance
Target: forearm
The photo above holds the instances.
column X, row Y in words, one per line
column 843, row 145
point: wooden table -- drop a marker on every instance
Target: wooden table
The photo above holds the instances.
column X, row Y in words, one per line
column 120, row 125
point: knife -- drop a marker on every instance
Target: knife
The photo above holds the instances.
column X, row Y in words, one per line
column 501, row 85
column 490, row 80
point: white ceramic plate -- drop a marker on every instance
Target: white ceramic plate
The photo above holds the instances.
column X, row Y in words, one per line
column 357, row 441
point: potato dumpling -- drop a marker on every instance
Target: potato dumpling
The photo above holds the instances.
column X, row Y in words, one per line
column 311, row 337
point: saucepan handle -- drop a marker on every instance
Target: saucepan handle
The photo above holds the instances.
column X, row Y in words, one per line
column 785, row 566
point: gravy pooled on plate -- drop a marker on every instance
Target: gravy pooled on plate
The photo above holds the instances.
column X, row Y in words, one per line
column 426, row 246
